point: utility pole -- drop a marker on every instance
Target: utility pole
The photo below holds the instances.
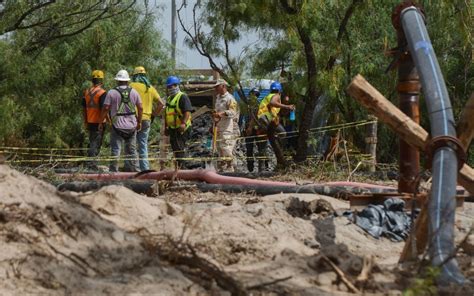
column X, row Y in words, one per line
column 173, row 32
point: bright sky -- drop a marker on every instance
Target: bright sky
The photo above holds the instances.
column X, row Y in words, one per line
column 190, row 58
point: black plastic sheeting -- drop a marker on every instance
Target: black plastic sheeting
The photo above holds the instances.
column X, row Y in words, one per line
column 389, row 220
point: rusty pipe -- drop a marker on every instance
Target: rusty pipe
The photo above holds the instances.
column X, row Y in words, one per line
column 408, row 89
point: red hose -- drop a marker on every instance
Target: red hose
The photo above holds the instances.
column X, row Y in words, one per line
column 189, row 175
column 207, row 176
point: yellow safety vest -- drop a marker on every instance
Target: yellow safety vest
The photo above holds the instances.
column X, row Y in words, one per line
column 265, row 110
column 174, row 115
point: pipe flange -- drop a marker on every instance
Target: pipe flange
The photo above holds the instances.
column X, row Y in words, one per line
column 445, row 141
column 409, row 86
column 397, row 12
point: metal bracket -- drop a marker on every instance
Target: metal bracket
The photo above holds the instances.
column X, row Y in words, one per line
column 445, row 141
column 397, row 11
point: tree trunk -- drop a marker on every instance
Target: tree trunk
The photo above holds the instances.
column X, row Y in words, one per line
column 311, row 99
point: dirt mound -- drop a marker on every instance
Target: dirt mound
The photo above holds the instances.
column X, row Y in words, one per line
column 53, row 244
column 115, row 241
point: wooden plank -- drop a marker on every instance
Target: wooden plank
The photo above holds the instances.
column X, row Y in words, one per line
column 466, row 178
column 198, row 86
column 207, row 72
column 200, row 111
column 417, row 242
column 377, row 104
column 371, row 143
column 405, row 127
column 465, row 127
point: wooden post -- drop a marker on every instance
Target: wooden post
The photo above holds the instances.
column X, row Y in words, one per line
column 417, row 241
column 371, row 143
column 164, row 142
column 407, row 129
column 173, row 33
column 465, row 128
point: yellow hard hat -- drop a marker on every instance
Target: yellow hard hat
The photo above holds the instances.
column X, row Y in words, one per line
column 97, row 74
column 139, row 70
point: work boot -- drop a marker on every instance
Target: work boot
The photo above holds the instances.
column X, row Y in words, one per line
column 250, row 166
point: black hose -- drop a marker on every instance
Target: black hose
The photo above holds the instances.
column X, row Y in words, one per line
column 442, row 204
column 337, row 191
column 141, row 187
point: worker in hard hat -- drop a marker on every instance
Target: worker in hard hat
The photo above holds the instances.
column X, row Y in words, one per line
column 288, row 121
column 124, row 106
column 267, row 116
column 178, row 119
column 254, row 135
column 225, row 116
column 152, row 106
column 92, row 103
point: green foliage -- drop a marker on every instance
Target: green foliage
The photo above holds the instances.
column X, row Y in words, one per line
column 361, row 48
column 41, row 83
column 43, row 89
column 425, row 285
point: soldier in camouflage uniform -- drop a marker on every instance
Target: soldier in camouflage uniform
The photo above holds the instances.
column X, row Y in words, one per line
column 225, row 116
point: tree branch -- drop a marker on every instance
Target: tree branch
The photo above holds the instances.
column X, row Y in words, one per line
column 342, row 29
column 44, row 40
column 197, row 42
column 25, row 15
column 288, row 8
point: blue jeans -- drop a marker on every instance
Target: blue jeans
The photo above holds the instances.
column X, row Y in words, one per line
column 142, row 142
column 130, row 162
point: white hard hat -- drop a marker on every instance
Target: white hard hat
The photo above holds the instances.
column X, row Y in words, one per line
column 122, row 75
column 221, row 81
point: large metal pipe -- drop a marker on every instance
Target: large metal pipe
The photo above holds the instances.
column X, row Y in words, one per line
column 408, row 90
column 442, row 202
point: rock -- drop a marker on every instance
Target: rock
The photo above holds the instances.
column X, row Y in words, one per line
column 327, row 278
column 147, row 277
column 468, row 245
column 320, row 206
column 313, row 244
column 118, row 236
column 297, row 207
column 227, row 202
column 256, row 210
column 253, row 199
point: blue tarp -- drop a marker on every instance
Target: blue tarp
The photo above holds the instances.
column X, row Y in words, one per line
column 263, row 94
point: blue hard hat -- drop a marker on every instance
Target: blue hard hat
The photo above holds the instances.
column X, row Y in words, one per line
column 276, row 86
column 171, row 80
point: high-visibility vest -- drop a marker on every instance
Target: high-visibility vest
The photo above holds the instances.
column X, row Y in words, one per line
column 264, row 109
column 174, row 115
column 92, row 97
column 124, row 101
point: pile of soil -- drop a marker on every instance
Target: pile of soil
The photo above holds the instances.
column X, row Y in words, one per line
column 114, row 241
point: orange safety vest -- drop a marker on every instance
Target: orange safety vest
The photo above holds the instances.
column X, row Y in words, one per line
column 92, row 97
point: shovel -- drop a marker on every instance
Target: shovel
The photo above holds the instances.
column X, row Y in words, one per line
column 212, row 164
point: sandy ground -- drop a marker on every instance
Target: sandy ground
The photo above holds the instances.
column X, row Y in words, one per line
column 117, row 242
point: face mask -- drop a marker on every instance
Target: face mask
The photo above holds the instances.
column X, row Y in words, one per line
column 172, row 91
